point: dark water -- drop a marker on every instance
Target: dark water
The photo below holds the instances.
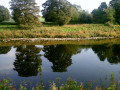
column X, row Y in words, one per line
column 80, row 62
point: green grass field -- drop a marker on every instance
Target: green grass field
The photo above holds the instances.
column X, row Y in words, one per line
column 10, row 30
column 41, row 19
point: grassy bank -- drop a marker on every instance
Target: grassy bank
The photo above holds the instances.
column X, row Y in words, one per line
column 67, row 31
column 7, row 42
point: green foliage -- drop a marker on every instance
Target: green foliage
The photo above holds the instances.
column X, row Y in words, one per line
column 75, row 13
column 67, row 31
column 85, row 17
column 6, row 85
column 116, row 5
column 99, row 15
column 110, row 13
column 25, row 13
column 58, row 11
column 61, row 18
column 4, row 14
column 103, row 6
column 110, row 24
column 70, row 84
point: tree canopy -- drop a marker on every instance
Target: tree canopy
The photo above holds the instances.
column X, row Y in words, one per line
column 110, row 14
column 76, row 9
column 58, row 11
column 85, row 17
column 25, row 13
column 4, row 14
column 115, row 4
column 99, row 15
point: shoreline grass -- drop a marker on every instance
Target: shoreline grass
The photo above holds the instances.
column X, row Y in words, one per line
column 67, row 31
column 7, row 42
column 70, row 84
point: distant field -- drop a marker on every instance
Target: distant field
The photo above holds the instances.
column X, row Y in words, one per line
column 41, row 19
column 54, row 31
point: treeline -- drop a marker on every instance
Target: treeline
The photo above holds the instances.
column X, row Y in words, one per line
column 26, row 14
column 63, row 12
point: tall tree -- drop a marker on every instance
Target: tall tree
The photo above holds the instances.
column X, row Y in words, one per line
column 4, row 14
column 116, row 5
column 99, row 15
column 25, row 13
column 103, row 6
column 75, row 13
column 85, row 17
column 110, row 13
column 58, row 11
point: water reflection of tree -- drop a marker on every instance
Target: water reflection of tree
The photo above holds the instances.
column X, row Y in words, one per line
column 4, row 49
column 60, row 56
column 27, row 60
column 111, row 53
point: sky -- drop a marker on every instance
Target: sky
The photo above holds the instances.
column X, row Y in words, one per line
column 87, row 5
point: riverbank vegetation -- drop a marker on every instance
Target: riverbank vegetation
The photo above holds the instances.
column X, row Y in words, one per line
column 66, row 31
column 60, row 19
column 70, row 84
column 8, row 42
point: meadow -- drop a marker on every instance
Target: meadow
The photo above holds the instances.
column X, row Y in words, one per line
column 48, row 30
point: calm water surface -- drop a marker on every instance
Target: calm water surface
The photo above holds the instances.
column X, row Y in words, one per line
column 80, row 62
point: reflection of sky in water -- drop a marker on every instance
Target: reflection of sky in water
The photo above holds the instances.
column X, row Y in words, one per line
column 85, row 66
column 6, row 61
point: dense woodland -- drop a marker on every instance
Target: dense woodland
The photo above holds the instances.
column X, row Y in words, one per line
column 26, row 13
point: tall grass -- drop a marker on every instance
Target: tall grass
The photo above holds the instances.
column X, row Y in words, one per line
column 67, row 31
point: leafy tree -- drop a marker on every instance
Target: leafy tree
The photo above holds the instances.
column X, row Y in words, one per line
column 85, row 17
column 27, row 60
column 116, row 5
column 58, row 11
column 25, row 13
column 103, row 6
column 4, row 14
column 75, row 13
column 110, row 13
column 99, row 15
